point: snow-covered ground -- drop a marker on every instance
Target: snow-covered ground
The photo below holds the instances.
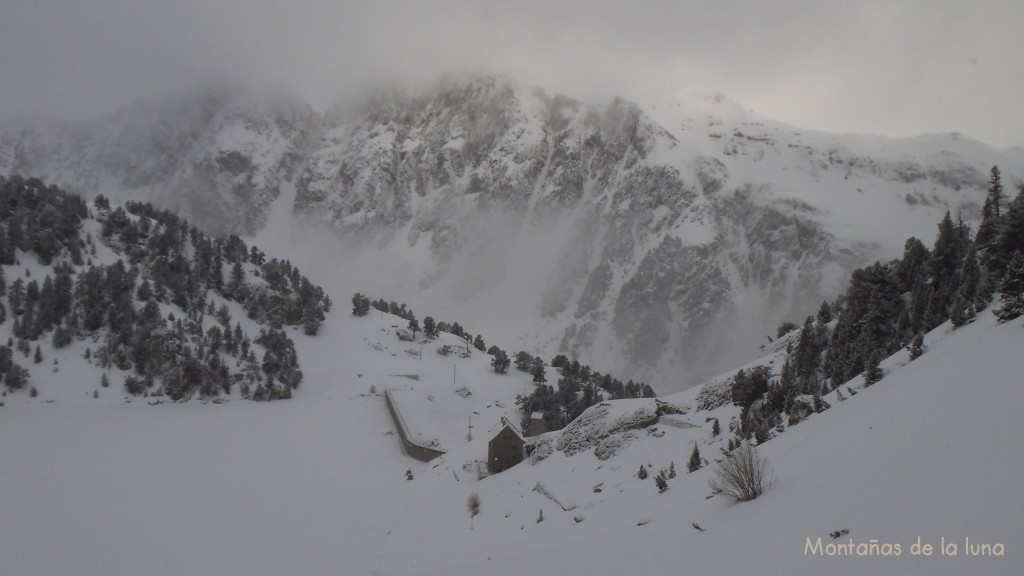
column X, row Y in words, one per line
column 317, row 484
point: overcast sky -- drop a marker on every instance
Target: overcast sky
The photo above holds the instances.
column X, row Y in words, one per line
column 886, row 67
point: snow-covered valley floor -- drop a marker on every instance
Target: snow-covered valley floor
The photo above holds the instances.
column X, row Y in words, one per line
column 317, row 484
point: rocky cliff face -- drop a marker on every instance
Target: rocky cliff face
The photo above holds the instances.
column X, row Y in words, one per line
column 664, row 241
column 678, row 233
column 475, row 144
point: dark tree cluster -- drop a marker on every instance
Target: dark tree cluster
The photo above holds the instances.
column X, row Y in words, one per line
column 499, row 359
column 578, row 388
column 40, row 219
column 11, row 373
column 360, row 304
column 760, row 399
column 889, row 306
column 154, row 316
column 286, row 298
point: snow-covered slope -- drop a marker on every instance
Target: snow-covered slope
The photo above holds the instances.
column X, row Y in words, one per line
column 634, row 236
column 929, row 453
column 317, row 484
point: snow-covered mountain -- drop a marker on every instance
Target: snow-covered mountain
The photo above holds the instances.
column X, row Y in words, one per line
column 660, row 241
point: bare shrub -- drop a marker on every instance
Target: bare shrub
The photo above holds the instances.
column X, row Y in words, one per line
column 743, row 476
column 474, row 507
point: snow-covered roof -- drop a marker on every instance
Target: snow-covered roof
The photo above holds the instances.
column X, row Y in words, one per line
column 502, row 424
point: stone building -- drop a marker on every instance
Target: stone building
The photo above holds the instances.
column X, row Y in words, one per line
column 505, row 449
column 538, row 425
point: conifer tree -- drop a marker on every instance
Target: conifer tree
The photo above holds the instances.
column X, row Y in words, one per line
column 1011, row 290
column 1011, row 237
column 962, row 309
column 694, row 464
column 429, row 327
column 457, row 330
column 311, row 318
column 808, row 353
column 523, row 361
column 872, row 371
column 991, row 217
column 748, row 386
column 824, row 313
column 61, row 337
column 537, row 371
column 500, row 361
column 867, row 323
column 716, row 428
column 913, row 263
column 916, row 347
column 360, row 304
column 790, row 387
column 995, row 190
column 661, row 482
column 942, row 268
column 237, row 281
column 256, row 256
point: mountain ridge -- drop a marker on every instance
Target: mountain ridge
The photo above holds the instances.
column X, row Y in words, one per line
column 641, row 229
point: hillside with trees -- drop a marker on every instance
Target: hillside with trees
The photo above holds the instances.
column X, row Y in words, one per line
column 150, row 295
column 890, row 306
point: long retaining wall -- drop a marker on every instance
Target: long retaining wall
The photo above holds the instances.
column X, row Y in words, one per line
column 417, row 451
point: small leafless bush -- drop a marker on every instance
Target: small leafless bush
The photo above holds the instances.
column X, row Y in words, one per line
column 743, row 476
column 474, row 507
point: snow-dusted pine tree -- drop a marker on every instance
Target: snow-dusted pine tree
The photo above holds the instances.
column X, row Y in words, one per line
column 1011, row 290
column 694, row 463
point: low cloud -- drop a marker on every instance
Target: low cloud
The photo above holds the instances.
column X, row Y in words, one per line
column 896, row 69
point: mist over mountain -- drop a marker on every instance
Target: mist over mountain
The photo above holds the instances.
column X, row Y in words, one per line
column 663, row 240
column 219, row 155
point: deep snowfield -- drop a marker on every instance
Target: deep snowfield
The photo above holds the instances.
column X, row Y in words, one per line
column 317, row 484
